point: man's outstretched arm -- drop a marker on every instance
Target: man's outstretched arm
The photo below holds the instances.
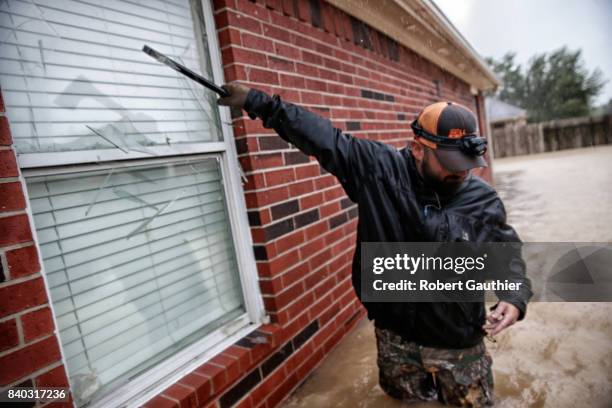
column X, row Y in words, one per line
column 346, row 157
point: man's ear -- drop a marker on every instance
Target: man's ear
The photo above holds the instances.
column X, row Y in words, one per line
column 417, row 151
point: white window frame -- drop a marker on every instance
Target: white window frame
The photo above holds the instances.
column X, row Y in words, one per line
column 136, row 391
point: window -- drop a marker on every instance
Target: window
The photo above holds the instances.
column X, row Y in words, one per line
column 133, row 187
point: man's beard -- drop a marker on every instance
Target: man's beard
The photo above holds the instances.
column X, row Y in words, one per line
column 446, row 187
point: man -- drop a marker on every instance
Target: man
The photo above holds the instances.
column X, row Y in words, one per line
column 424, row 192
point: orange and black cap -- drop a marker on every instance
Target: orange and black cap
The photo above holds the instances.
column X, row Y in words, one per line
column 450, row 129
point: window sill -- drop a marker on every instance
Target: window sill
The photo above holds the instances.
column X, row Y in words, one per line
column 162, row 377
column 211, row 379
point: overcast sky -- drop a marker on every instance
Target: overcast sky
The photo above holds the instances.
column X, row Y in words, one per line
column 529, row 27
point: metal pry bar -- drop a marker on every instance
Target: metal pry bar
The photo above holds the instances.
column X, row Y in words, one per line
column 184, row 70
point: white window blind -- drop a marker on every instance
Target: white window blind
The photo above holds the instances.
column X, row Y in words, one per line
column 140, row 262
column 74, row 77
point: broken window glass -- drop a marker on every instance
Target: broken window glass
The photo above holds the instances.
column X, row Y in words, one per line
column 140, row 263
column 138, row 256
column 74, row 77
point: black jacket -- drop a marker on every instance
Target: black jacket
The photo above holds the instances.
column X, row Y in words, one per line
column 392, row 199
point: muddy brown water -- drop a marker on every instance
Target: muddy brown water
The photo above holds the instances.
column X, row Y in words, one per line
column 561, row 354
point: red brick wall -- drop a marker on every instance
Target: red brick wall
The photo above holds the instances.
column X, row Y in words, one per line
column 302, row 224
column 29, row 349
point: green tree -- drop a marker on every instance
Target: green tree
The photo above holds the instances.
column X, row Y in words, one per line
column 551, row 86
column 513, row 82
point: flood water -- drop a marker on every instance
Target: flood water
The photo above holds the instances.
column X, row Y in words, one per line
column 561, row 354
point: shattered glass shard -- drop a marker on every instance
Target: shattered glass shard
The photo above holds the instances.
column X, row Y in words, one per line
column 149, row 220
column 129, row 196
column 95, row 199
column 108, row 138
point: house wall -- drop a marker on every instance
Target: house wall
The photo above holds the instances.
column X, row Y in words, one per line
column 302, row 223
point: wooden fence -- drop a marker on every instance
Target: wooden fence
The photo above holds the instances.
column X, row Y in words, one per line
column 517, row 140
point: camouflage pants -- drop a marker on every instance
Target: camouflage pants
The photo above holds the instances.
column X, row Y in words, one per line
column 410, row 372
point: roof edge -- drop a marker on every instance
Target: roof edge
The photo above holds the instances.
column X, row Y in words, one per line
column 422, row 27
column 455, row 33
